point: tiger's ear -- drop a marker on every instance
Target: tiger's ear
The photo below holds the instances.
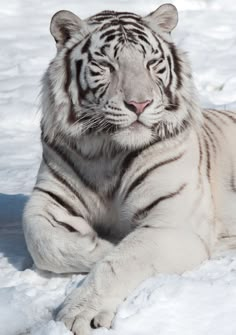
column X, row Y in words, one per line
column 165, row 18
column 64, row 24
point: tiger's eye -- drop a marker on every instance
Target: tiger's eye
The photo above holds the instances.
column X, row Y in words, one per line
column 107, row 65
column 154, row 61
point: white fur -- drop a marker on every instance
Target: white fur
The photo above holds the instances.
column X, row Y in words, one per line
column 191, row 183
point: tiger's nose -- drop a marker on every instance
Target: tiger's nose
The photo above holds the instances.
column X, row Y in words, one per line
column 137, row 107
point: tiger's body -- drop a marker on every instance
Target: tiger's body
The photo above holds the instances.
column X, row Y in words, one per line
column 135, row 178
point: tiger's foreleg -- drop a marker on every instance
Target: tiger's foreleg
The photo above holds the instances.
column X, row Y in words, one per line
column 145, row 252
column 59, row 242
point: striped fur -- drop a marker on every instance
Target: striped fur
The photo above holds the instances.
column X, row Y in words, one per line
column 141, row 194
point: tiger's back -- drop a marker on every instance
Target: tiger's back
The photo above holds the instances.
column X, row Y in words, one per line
column 219, row 131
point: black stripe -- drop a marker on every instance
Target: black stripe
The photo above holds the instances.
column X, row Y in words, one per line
column 210, row 136
column 232, row 179
column 108, row 32
column 163, row 129
column 143, row 213
column 213, row 122
column 82, row 92
column 101, row 90
column 72, row 117
column 96, row 88
column 173, row 102
column 143, row 48
column 142, row 38
column 177, row 65
column 68, row 227
column 107, row 13
column 68, row 65
column 45, row 218
column 170, row 67
column 145, row 174
column 167, row 89
column 135, row 16
column 67, row 70
column 129, row 16
column 57, row 199
column 103, row 93
column 161, row 70
column 139, row 32
column 208, row 128
column 86, row 46
column 69, row 161
column 229, row 116
column 111, row 37
column 116, row 49
column 208, row 158
column 220, row 115
column 122, row 40
column 135, row 24
column 111, row 24
column 94, row 73
column 127, row 162
column 200, row 159
column 63, row 224
column 64, row 181
column 97, row 53
column 101, row 18
column 102, row 50
column 159, row 43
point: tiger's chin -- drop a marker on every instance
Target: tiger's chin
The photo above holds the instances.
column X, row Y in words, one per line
column 135, row 136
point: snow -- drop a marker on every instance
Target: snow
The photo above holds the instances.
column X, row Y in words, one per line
column 200, row 302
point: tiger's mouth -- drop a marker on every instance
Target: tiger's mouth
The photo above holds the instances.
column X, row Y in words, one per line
column 137, row 125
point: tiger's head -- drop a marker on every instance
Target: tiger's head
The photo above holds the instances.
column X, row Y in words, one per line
column 120, row 75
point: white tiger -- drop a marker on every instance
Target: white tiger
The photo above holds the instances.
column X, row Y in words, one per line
column 136, row 179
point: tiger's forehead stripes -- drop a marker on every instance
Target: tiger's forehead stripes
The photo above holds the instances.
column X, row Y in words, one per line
column 112, row 15
column 143, row 40
column 125, row 33
column 120, row 27
column 127, row 27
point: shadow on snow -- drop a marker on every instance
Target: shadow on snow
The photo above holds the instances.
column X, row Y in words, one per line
column 12, row 243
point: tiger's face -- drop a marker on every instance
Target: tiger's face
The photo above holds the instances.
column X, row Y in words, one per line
column 121, row 87
column 123, row 77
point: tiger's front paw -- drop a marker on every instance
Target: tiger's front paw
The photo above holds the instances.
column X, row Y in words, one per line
column 83, row 322
column 103, row 319
column 85, row 309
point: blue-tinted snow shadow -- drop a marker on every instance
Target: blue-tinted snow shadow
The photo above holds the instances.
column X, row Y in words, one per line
column 12, row 243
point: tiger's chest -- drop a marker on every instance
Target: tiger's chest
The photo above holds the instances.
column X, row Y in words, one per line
column 106, row 178
column 102, row 175
column 125, row 185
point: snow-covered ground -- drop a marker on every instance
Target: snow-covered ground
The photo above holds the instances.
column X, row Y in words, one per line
column 200, row 302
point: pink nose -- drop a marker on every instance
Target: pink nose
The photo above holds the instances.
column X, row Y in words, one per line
column 139, row 106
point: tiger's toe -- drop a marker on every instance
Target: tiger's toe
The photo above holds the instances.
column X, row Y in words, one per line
column 103, row 319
